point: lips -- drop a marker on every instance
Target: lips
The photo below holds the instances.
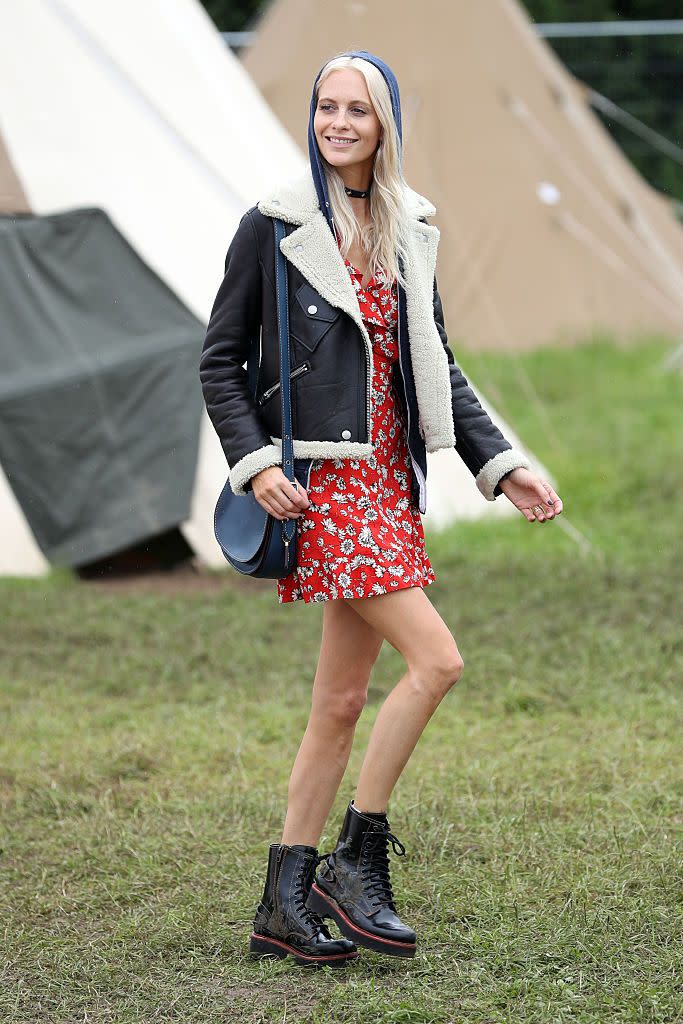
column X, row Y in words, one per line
column 339, row 140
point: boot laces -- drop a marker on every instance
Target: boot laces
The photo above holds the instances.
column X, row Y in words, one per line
column 375, row 864
column 307, row 870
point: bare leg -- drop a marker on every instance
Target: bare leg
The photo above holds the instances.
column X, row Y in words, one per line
column 411, row 624
column 348, row 650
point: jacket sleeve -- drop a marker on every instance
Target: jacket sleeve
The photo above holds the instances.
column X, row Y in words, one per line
column 234, row 325
column 488, row 455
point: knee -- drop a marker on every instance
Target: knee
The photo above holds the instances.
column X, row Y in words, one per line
column 438, row 672
column 345, row 709
column 447, row 669
column 453, row 668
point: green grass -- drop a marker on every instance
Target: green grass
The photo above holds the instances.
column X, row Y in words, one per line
column 147, row 742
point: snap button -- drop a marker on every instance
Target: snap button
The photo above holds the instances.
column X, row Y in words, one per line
column 298, row 248
column 425, row 238
column 276, row 202
column 346, row 434
column 312, row 310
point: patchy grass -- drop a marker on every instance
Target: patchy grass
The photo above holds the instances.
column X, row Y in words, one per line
column 148, row 738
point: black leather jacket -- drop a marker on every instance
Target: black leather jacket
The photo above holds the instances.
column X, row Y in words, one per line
column 328, row 373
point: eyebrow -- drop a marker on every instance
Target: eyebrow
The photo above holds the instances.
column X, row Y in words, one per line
column 328, row 99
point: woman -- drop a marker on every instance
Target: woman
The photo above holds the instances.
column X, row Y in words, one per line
column 374, row 387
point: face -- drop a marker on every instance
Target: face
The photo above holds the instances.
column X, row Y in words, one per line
column 345, row 123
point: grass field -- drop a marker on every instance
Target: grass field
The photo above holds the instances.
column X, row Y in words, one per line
column 148, row 737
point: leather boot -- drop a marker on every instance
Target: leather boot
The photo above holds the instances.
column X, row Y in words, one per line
column 284, row 924
column 354, row 889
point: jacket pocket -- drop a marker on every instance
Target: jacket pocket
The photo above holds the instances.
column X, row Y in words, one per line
column 310, row 317
column 294, row 374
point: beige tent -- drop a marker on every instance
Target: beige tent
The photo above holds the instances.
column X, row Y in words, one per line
column 547, row 232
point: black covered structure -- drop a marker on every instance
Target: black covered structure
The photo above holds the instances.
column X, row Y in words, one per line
column 100, row 402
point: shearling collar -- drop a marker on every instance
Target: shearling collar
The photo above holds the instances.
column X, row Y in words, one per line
column 312, row 249
column 296, row 201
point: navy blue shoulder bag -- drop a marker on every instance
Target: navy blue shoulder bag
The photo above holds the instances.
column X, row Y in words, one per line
column 253, row 541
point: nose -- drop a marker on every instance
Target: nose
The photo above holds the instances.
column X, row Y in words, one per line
column 340, row 120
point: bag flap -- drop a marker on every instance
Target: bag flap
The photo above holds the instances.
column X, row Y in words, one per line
column 239, row 524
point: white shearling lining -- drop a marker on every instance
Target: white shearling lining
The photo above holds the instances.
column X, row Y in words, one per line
column 491, row 472
column 327, row 449
column 252, row 463
column 430, row 363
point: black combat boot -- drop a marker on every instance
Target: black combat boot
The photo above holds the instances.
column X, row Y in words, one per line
column 284, row 923
column 354, row 889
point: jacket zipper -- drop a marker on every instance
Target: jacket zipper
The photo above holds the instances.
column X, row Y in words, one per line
column 368, row 390
column 298, row 371
column 368, row 387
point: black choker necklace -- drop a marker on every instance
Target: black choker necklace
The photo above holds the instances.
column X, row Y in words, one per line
column 357, row 193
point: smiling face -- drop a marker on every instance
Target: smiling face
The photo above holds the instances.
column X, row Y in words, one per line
column 345, row 124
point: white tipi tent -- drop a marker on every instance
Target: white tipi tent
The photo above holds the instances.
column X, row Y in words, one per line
column 139, row 110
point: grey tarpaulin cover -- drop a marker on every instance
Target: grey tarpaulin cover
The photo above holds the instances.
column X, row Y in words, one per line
column 100, row 400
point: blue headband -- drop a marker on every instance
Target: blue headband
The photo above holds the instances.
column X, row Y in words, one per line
column 317, row 169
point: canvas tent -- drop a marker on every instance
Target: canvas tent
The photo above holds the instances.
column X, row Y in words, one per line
column 99, row 429
column 142, row 112
column 547, row 232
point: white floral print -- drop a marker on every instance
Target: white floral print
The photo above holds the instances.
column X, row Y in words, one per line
column 362, row 534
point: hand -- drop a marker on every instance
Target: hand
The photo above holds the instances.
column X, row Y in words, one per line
column 278, row 495
column 527, row 492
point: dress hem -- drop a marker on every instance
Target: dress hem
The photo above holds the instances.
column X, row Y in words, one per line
column 389, row 590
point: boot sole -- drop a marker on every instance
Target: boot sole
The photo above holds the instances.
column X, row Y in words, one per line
column 326, row 906
column 262, row 946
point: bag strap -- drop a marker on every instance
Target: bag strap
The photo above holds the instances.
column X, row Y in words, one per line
column 288, row 525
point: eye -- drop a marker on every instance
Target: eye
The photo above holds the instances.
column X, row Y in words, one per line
column 325, row 106
column 358, row 110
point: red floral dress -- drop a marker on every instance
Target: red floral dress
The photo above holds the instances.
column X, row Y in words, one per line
column 361, row 534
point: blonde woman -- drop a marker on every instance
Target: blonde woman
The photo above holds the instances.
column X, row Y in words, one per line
column 374, row 388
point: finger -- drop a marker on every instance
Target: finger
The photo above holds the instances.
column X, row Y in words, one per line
column 536, row 513
column 296, row 494
column 279, row 505
column 542, row 509
column 557, row 505
column 269, row 508
column 288, row 495
column 304, row 493
column 288, row 499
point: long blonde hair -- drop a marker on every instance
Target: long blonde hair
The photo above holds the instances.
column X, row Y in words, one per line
column 383, row 239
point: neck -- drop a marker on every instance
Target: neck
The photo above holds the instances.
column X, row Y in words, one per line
column 358, row 176
column 354, row 193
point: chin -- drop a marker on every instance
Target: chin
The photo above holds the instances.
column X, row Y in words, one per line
column 337, row 159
